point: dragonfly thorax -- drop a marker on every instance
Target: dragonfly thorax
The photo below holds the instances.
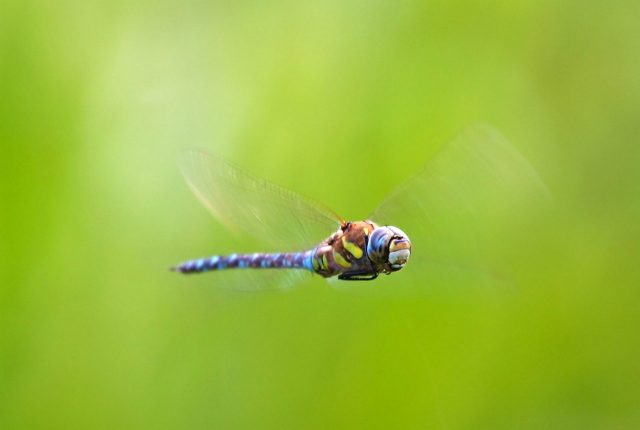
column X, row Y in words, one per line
column 389, row 248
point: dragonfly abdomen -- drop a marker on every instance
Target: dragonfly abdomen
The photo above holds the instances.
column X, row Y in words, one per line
column 286, row 260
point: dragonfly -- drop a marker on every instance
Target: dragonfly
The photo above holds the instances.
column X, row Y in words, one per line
column 474, row 184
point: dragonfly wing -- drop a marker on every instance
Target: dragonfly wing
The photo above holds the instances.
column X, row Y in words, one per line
column 473, row 191
column 255, row 206
column 257, row 280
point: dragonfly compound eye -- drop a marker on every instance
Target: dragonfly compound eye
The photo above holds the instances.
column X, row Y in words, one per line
column 390, row 247
column 378, row 245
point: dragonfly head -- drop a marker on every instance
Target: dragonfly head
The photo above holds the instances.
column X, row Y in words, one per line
column 389, row 248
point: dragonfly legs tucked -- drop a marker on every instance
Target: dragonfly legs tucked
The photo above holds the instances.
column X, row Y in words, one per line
column 358, row 276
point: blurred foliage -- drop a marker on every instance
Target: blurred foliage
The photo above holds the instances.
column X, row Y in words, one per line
column 98, row 98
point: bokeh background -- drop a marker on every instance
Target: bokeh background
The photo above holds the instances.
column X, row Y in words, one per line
column 97, row 98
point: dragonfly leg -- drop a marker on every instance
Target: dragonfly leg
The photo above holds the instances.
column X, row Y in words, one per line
column 358, row 276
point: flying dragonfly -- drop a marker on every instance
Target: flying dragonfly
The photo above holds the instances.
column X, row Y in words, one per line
column 474, row 183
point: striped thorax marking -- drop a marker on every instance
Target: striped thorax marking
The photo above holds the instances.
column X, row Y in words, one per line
column 338, row 258
column 324, row 264
column 351, row 248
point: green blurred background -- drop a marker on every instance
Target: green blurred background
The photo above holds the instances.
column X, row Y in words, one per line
column 96, row 100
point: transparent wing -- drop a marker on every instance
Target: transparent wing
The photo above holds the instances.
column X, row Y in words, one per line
column 244, row 203
column 247, row 280
column 465, row 204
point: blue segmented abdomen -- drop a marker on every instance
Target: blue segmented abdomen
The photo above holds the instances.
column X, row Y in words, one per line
column 287, row 260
